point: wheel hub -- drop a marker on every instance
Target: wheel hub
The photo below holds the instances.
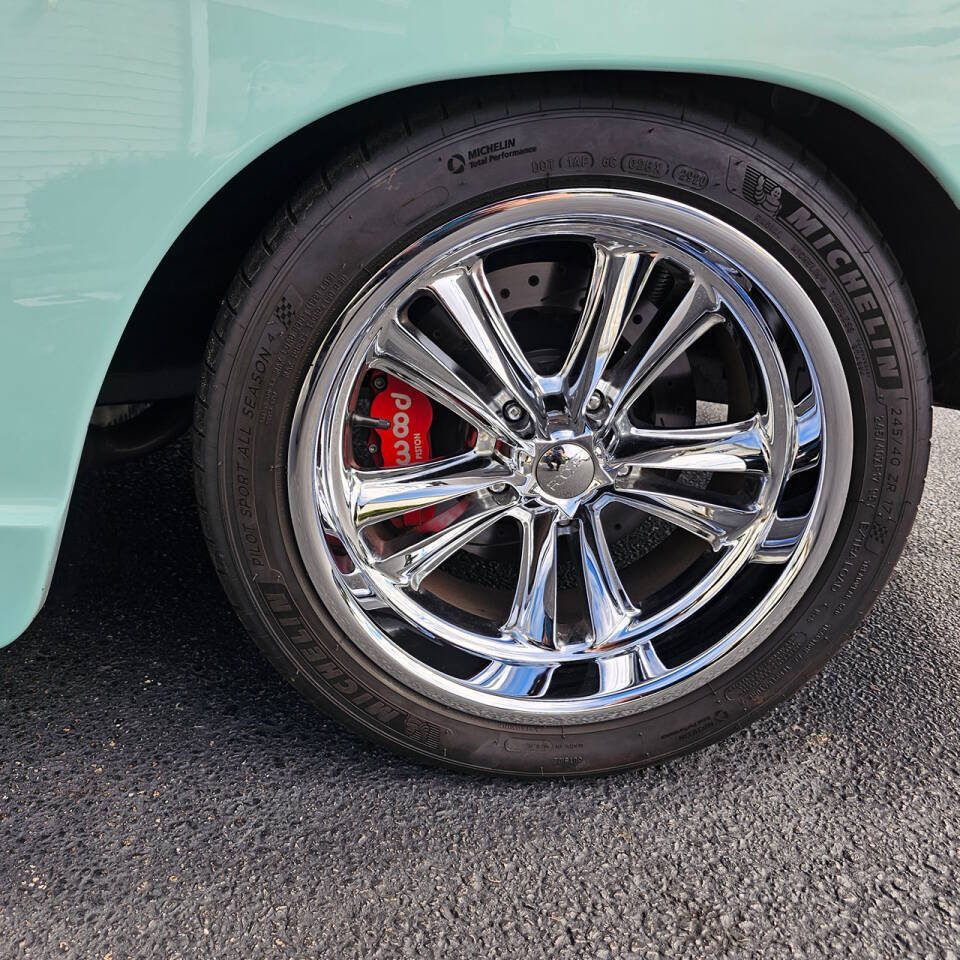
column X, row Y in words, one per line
column 565, row 471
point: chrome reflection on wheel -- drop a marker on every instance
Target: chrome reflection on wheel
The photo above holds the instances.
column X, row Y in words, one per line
column 640, row 448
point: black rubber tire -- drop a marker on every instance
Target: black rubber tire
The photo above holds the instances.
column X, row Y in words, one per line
column 414, row 172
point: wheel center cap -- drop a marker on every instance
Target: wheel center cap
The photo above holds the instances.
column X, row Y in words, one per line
column 565, row 470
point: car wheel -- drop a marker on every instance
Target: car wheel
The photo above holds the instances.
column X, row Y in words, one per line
column 561, row 432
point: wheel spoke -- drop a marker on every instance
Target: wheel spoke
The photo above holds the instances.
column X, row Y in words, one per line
column 627, row 669
column 410, row 355
column 651, row 665
column 785, row 533
column 610, row 608
column 691, row 319
column 619, row 673
column 719, row 448
column 809, row 433
column 513, row 679
column 705, row 514
column 412, row 564
column 533, row 615
column 466, row 296
column 610, row 300
column 377, row 495
column 781, row 539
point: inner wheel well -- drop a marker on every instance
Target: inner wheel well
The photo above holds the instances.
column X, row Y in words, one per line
column 160, row 353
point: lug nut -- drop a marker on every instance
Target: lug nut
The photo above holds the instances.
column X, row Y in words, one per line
column 624, row 471
column 498, row 487
column 513, row 411
column 595, row 401
column 379, row 382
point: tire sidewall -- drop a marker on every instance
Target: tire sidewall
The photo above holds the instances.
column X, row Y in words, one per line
column 374, row 208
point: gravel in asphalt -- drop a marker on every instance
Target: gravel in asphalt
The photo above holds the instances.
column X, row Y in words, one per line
column 164, row 795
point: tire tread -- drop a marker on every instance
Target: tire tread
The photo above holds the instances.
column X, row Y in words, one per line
column 416, row 125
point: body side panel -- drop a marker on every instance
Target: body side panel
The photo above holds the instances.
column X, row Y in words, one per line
column 119, row 119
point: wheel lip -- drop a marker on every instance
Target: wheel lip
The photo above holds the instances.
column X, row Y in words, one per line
column 702, row 229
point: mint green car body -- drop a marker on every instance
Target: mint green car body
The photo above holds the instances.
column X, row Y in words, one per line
column 186, row 93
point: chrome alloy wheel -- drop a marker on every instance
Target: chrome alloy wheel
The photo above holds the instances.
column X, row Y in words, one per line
column 748, row 492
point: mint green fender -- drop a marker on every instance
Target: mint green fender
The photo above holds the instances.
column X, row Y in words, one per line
column 119, row 120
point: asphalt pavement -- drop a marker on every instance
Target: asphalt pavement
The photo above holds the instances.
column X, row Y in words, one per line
column 164, row 795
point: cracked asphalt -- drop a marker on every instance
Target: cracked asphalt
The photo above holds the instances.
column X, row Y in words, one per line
column 164, row 795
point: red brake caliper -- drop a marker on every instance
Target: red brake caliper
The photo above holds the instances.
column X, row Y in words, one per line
column 407, row 439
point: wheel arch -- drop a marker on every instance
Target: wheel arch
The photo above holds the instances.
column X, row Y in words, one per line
column 158, row 358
